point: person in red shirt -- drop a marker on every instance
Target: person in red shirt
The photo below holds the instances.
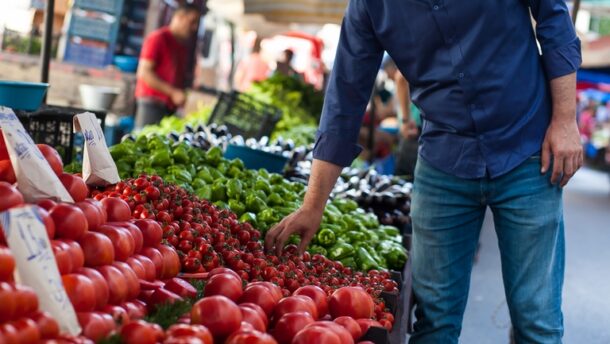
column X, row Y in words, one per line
column 161, row 71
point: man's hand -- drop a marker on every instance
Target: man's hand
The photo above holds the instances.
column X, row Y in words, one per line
column 409, row 130
column 178, row 97
column 303, row 222
column 562, row 142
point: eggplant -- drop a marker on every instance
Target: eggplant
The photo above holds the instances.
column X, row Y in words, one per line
column 174, row 136
column 188, row 128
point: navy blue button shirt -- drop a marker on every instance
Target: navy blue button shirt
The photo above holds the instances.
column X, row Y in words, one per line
column 474, row 68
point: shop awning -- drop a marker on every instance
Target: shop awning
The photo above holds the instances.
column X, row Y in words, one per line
column 298, row 11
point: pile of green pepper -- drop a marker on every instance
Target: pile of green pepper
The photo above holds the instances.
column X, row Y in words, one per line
column 347, row 233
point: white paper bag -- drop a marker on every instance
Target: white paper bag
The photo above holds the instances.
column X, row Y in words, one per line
column 29, row 243
column 98, row 167
column 35, row 178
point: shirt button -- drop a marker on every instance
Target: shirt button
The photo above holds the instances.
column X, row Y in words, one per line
column 461, row 75
column 436, row 7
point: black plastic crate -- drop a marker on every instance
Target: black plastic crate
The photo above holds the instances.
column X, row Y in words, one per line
column 244, row 115
column 53, row 125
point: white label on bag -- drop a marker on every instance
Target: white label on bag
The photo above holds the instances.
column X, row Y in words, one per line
column 35, row 178
column 98, row 167
column 29, row 243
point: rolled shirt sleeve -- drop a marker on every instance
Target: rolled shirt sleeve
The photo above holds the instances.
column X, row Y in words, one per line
column 560, row 46
column 357, row 61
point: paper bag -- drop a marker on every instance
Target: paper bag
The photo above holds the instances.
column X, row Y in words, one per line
column 98, row 167
column 35, row 178
column 29, row 243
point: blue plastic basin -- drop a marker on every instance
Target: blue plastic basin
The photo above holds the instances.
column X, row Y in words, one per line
column 20, row 95
column 255, row 159
column 126, row 63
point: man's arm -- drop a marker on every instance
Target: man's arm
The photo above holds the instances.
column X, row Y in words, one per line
column 561, row 58
column 146, row 72
column 408, row 128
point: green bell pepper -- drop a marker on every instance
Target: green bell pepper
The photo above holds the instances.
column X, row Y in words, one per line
column 340, row 250
column 237, row 207
column 355, row 236
column 345, row 205
column 315, row 249
column 181, row 155
column 394, row 254
column 219, row 192
column 180, row 174
column 276, row 178
column 161, row 158
column 275, row 199
column 263, row 186
column 365, row 261
column 122, row 150
column 248, row 217
column 220, row 205
column 268, row 216
column 234, row 188
column 325, row 237
column 254, row 203
column 213, row 156
column 204, row 192
column 349, row 262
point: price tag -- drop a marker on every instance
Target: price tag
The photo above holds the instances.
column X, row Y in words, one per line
column 27, row 238
column 35, row 178
column 98, row 167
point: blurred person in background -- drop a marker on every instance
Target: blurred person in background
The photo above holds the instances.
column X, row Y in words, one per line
column 160, row 86
column 284, row 64
column 252, row 68
column 410, row 126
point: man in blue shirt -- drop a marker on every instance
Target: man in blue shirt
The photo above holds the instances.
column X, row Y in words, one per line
column 499, row 131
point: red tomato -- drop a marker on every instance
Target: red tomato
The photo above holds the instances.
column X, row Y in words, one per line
column 98, row 249
column 7, row 264
column 48, row 222
column 171, row 262
column 27, row 331
column 75, row 185
column 118, row 313
column 273, row 288
column 137, row 267
column 151, row 232
column 93, row 213
column 250, row 337
column 295, row 304
column 218, row 313
column 135, row 310
column 366, row 323
column 95, row 325
column 116, row 209
column 261, row 296
column 254, row 318
column 48, row 326
column 9, row 196
column 3, row 149
column 351, row 301
column 258, row 310
column 70, row 221
column 141, row 332
column 149, row 267
column 224, row 284
column 344, row 335
column 181, row 287
column 160, row 296
column 135, row 232
column 46, row 204
column 316, row 334
column 317, row 295
column 26, row 301
column 8, row 332
column 102, row 291
column 8, row 301
column 217, row 271
column 197, row 331
column 121, row 239
column 52, row 157
column 7, row 173
column 81, row 291
column 351, row 325
column 156, row 257
column 133, row 285
column 117, row 284
column 76, row 254
column 62, row 256
column 290, row 324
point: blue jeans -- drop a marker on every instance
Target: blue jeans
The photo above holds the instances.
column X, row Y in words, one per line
column 447, row 217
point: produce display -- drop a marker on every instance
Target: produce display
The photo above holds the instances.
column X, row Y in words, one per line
column 347, row 233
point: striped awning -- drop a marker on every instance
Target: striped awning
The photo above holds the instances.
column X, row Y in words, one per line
column 298, row 11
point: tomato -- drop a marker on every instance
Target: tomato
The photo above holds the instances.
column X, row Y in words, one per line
column 250, row 337
column 52, row 157
column 75, row 185
column 181, row 287
column 258, row 309
column 3, row 149
column 224, row 284
column 8, row 302
column 344, row 336
column 274, row 289
column 98, row 249
column 81, row 291
column 171, row 262
column 7, row 264
column 133, row 285
column 148, row 265
column 295, row 304
column 70, row 221
column 316, row 334
column 156, row 257
column 95, row 325
column 218, row 313
column 152, row 232
column 260, row 296
column 76, row 254
column 351, row 325
column 48, row 326
column 121, row 239
column 183, row 340
column 27, row 331
column 26, row 301
column 116, row 209
column 62, row 256
column 137, row 267
column 118, row 313
column 197, row 331
column 135, row 310
column 254, row 318
column 135, row 232
column 117, row 284
column 289, row 325
column 7, row 173
column 93, row 213
column 351, row 301
column 217, row 271
column 9, row 196
column 48, row 222
column 102, row 291
column 317, row 295
column 160, row 296
column 46, row 204
column 366, row 323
